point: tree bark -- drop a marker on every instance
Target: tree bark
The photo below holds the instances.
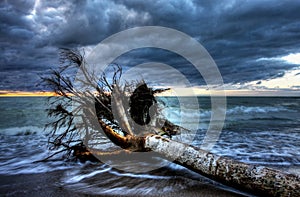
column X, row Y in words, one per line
column 254, row 179
column 245, row 177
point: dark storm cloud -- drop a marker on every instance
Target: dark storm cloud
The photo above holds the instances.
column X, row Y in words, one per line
column 145, row 55
column 87, row 23
column 236, row 33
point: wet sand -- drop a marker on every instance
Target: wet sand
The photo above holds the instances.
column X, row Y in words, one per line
column 48, row 184
column 44, row 184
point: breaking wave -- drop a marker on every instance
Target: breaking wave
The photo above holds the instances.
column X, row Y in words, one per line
column 252, row 110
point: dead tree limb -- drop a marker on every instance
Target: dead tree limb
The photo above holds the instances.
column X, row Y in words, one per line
column 254, row 179
column 250, row 178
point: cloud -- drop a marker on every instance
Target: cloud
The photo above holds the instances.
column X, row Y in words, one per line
column 235, row 34
column 87, row 23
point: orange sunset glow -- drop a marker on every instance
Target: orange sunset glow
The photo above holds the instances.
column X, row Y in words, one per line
column 8, row 93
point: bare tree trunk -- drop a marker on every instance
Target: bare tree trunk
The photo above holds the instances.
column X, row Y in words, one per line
column 245, row 177
column 254, row 179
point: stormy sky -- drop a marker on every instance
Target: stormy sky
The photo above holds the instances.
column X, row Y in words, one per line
column 250, row 41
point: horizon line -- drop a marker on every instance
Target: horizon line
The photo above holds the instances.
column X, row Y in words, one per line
column 20, row 93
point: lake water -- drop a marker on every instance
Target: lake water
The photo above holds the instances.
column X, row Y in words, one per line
column 257, row 130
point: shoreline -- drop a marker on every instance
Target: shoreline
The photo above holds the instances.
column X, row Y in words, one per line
column 48, row 184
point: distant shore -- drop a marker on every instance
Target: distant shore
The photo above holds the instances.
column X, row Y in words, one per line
column 48, row 184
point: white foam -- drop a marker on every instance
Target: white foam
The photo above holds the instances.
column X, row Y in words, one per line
column 144, row 176
column 78, row 178
column 249, row 110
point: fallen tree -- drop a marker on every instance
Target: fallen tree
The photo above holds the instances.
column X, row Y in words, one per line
column 254, row 179
column 129, row 117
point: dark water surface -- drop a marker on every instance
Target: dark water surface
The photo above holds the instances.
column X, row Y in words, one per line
column 258, row 130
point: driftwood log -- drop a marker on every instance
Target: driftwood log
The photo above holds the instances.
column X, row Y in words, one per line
column 254, row 179
column 257, row 180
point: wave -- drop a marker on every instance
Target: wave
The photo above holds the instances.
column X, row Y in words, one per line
column 177, row 115
column 24, row 130
column 28, row 130
column 252, row 110
column 26, row 165
column 143, row 176
column 21, row 146
column 271, row 118
column 119, row 183
column 77, row 178
column 187, row 115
